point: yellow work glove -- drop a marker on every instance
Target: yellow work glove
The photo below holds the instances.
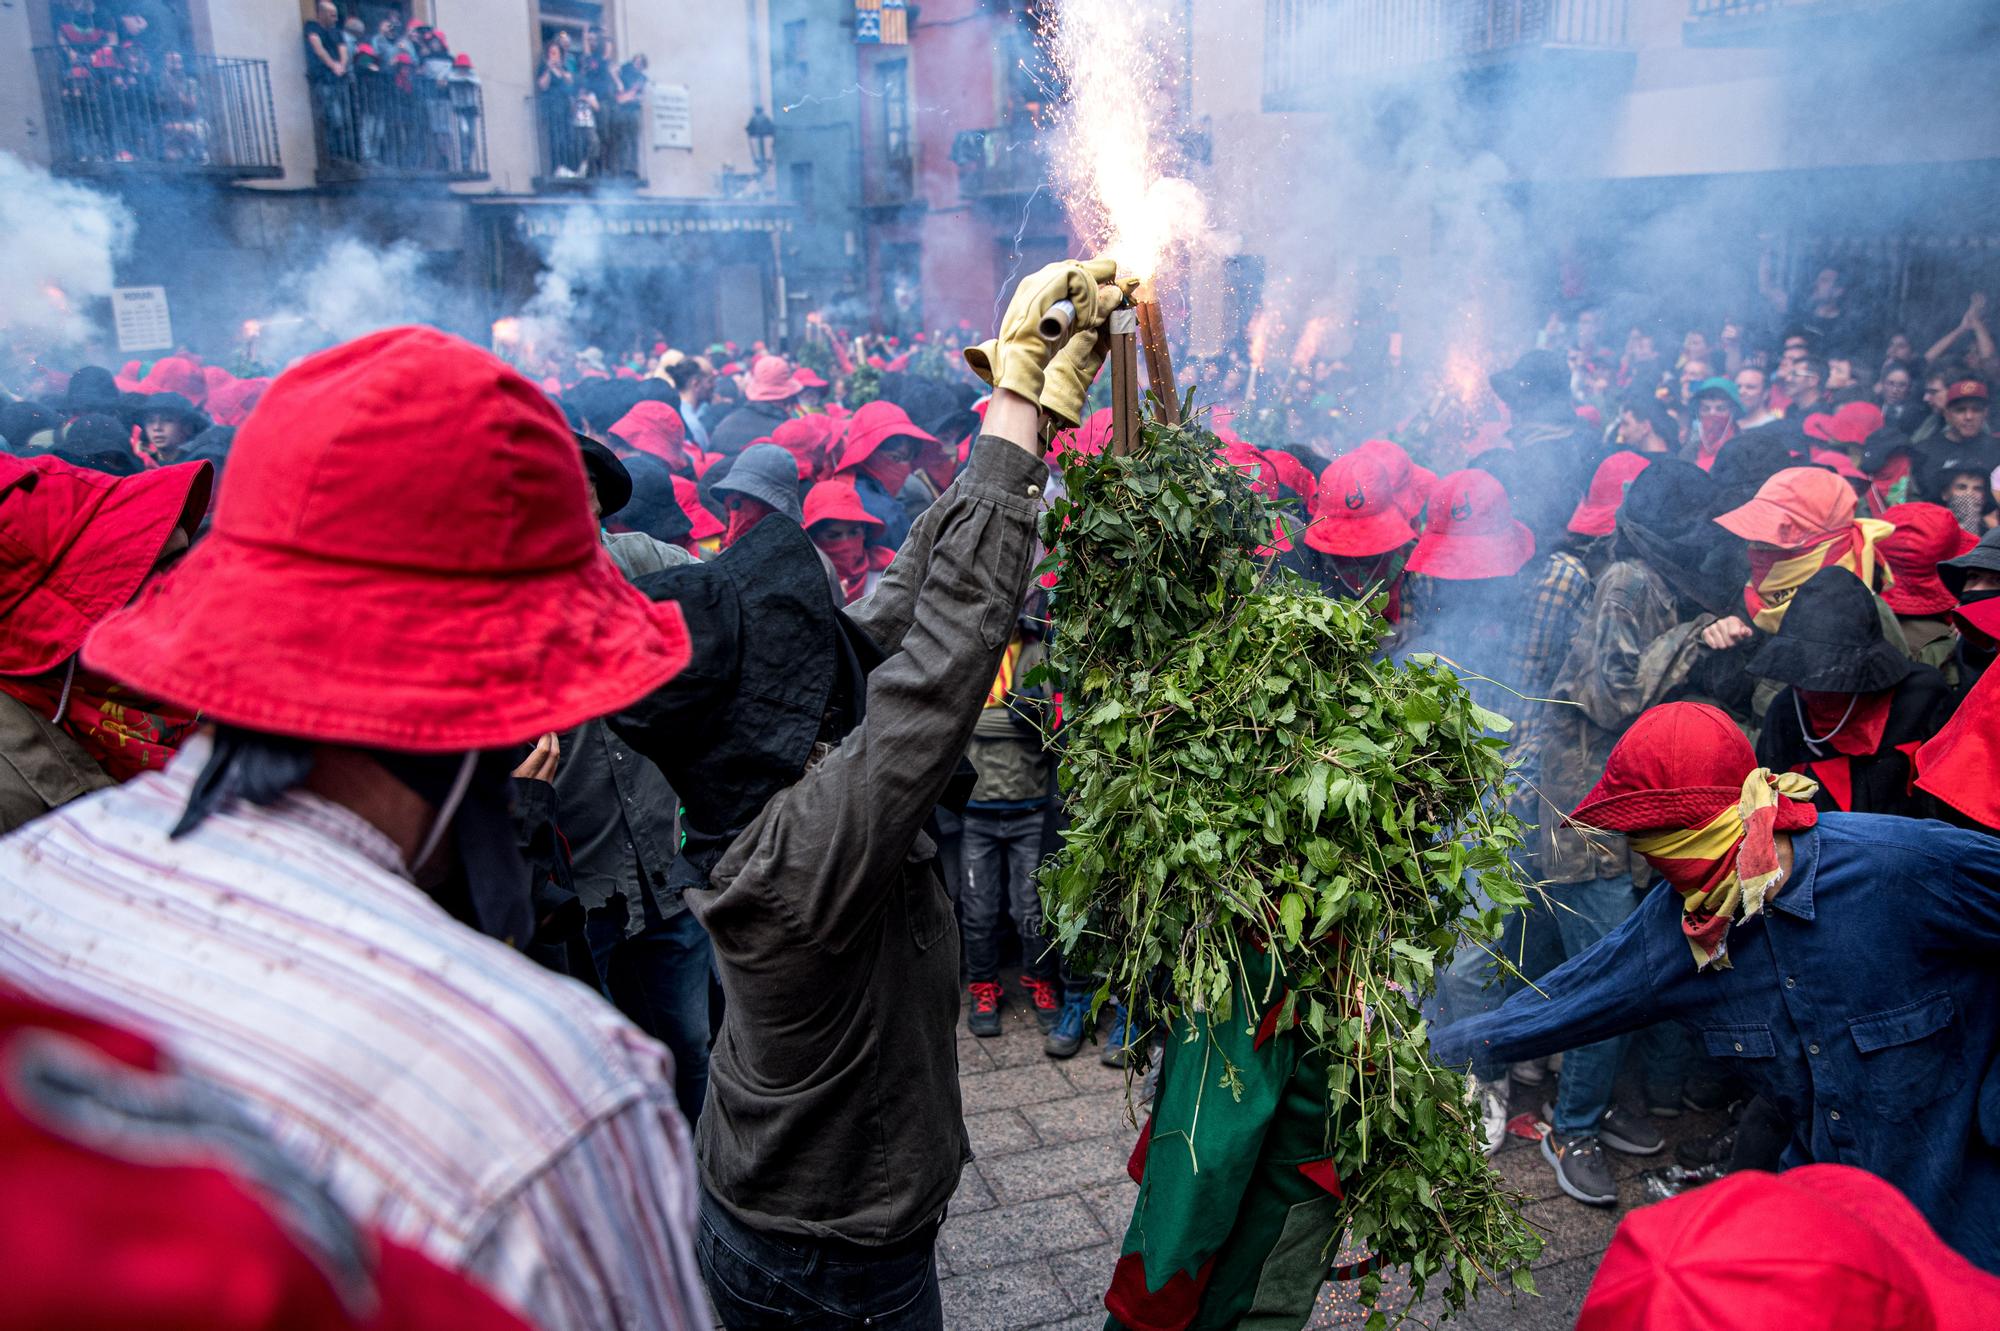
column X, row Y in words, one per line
column 1066, row 383
column 1018, row 359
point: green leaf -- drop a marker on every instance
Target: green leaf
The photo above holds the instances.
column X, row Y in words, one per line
column 1292, row 917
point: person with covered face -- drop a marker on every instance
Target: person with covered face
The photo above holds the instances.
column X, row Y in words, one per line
column 318, row 903
column 809, row 744
column 769, row 400
column 1358, row 534
column 1840, row 963
column 879, row 453
column 1973, row 579
column 843, row 530
column 1925, row 536
column 1717, row 411
column 1854, row 706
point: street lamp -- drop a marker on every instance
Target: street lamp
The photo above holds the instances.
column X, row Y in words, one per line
column 762, row 134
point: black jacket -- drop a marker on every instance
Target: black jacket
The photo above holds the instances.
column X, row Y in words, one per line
column 745, row 426
column 1881, row 783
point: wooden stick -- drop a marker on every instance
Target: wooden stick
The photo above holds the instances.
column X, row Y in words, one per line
column 1123, row 359
column 1159, row 357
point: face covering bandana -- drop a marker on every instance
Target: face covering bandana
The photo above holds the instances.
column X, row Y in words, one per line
column 744, row 515
column 849, row 556
column 1776, row 575
column 1723, row 868
column 891, row 476
column 1970, row 510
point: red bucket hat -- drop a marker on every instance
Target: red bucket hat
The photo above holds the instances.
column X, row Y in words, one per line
column 805, row 438
column 1597, row 514
column 402, row 557
column 836, row 500
column 1471, row 532
column 1356, row 514
column 1410, row 483
column 1797, row 508
column 657, row 430
column 232, row 403
column 874, row 425
column 75, row 545
column 808, row 377
column 771, row 380
column 176, row 374
column 1925, row 535
column 1834, row 1247
column 1679, row 765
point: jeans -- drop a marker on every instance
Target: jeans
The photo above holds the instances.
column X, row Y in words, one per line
column 1585, row 913
column 659, row 979
column 1001, row 852
column 1466, row 983
column 784, row 1282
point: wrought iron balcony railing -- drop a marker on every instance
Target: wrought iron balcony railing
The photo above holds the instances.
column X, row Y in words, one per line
column 112, row 111
column 399, row 125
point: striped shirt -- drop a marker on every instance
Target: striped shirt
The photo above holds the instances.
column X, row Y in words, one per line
column 504, row 1120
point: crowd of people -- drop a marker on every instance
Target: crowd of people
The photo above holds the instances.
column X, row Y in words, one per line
column 676, row 677
column 126, row 82
column 396, row 97
column 590, row 104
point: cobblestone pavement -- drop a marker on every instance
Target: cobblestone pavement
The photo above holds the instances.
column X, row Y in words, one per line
column 1035, row 1228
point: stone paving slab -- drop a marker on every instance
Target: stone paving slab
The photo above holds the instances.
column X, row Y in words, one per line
column 1056, row 1227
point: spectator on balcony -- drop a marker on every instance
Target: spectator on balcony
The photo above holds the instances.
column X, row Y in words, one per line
column 183, row 128
column 390, row 39
column 371, row 96
column 79, row 29
column 628, row 114
column 462, row 87
column 328, row 76
column 555, row 87
column 434, row 67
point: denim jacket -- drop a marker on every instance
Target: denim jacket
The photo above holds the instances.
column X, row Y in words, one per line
column 1864, row 1002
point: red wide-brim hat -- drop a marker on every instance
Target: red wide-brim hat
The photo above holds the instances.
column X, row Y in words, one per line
column 403, row 557
column 1335, row 533
column 1464, row 556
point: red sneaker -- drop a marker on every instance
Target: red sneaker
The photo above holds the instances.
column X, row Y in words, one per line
column 1048, row 1001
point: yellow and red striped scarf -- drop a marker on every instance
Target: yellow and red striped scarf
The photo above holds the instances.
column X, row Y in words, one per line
column 1723, row 868
column 1003, row 682
column 1775, row 576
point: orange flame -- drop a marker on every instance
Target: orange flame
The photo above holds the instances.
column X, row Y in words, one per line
column 506, row 332
column 251, row 329
column 1264, row 326
column 1310, row 341
column 56, row 296
column 1463, row 377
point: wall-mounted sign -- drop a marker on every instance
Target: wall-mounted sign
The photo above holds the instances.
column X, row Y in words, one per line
column 881, row 23
column 673, row 116
column 141, row 317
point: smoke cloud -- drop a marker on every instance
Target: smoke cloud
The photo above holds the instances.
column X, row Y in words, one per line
column 63, row 245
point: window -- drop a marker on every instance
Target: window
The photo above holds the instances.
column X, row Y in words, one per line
column 895, row 109
column 797, row 67
column 802, row 186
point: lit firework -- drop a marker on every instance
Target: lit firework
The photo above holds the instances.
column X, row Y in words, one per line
column 1114, row 164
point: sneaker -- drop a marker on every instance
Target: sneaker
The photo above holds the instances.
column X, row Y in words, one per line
column 1489, row 1100
column 982, row 1018
column 1118, row 1050
column 1066, row 1036
column 1712, row 1152
column 1531, row 1073
column 1630, row 1131
column 1581, row 1169
column 1047, row 998
column 1705, row 1097
column 1657, row 1110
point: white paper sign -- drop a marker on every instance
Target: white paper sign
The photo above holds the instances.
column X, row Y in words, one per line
column 141, row 317
column 673, row 116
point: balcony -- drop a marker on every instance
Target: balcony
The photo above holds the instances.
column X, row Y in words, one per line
column 1772, row 22
column 999, row 163
column 606, row 155
column 1312, row 48
column 390, row 127
column 195, row 115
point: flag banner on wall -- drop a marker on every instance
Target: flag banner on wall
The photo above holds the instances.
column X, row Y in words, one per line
column 881, row 23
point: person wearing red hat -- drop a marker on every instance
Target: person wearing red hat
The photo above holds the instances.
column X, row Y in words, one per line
column 879, row 452
column 1409, row 483
column 1596, row 514
column 1801, row 520
column 768, row 400
column 812, row 387
column 1819, row 1248
column 1925, row 536
column 1839, row 963
column 369, row 678
column 1964, row 446
column 705, row 527
column 842, row 527
column 656, row 429
column 1358, row 533
column 810, row 745
column 81, row 545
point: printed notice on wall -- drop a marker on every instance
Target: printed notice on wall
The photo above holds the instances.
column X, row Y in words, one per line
column 141, row 317
column 673, row 116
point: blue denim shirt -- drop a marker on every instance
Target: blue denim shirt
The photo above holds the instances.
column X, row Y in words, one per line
column 1864, row 1003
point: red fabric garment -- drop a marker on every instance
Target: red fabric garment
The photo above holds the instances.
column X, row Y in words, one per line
column 1836, row 777
column 1925, row 536
column 1961, row 763
column 657, row 430
column 338, row 596
column 1597, row 512
column 891, row 476
column 232, row 403
column 1679, row 765
column 806, row 438
column 122, row 732
column 1356, row 515
column 1712, row 434
column 1794, row 510
column 743, row 516
column 702, row 518
column 1090, row 438
column 771, row 380
column 130, row 1200
column 176, row 374
column 75, row 545
column 1139, row 1307
column 1472, row 532
column 214, row 377
column 1818, row 1248
column 1857, row 734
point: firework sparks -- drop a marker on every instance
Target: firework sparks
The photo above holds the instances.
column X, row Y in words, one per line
column 57, row 297
column 1114, row 167
column 506, row 332
column 1463, row 377
column 1311, row 340
column 251, row 329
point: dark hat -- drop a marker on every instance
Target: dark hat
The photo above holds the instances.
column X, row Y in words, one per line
column 776, row 667
column 1831, row 640
column 95, row 432
column 169, row 404
column 1536, row 377
column 1963, row 389
column 767, row 473
column 1882, row 445
column 607, row 474
column 653, row 507
column 1985, row 557
column 91, row 388
column 22, row 421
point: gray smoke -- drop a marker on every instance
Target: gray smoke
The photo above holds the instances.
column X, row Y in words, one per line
column 63, row 243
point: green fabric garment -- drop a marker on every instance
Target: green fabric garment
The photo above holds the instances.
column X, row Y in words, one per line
column 1222, row 1182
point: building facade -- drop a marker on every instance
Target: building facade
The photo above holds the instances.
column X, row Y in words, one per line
column 240, row 166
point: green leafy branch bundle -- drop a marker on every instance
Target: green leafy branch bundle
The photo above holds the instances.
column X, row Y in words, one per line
column 1240, row 769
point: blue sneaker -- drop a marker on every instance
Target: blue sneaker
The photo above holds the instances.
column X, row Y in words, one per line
column 1118, row 1050
column 1066, row 1036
